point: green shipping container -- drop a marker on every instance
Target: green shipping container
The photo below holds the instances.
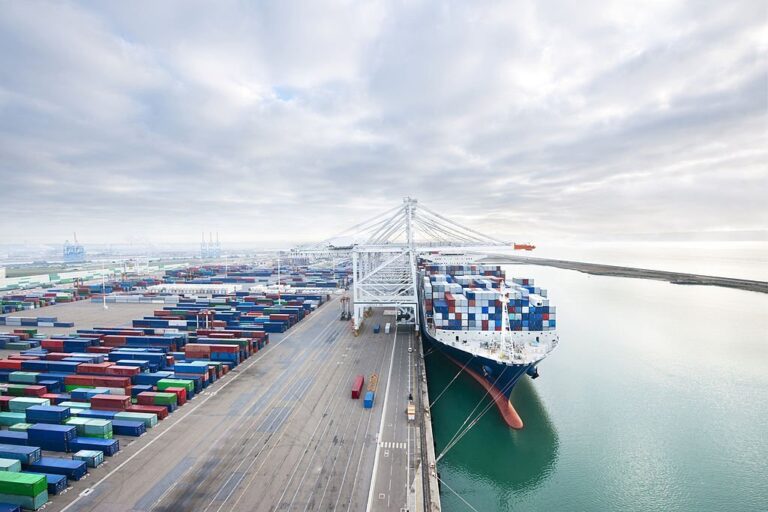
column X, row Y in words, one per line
column 164, row 399
column 19, row 427
column 22, row 484
column 163, row 384
column 150, row 420
column 91, row 457
column 13, row 465
column 21, row 403
column 78, row 423
column 11, row 418
column 71, row 387
column 98, row 428
column 23, row 377
column 26, row 502
column 75, row 405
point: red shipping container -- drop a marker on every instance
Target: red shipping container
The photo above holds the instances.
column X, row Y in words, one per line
column 113, row 341
column 357, row 386
column 78, row 380
column 10, row 364
column 159, row 410
column 146, row 398
column 545, row 316
column 20, row 357
column 56, row 345
column 229, row 349
column 55, row 398
column 99, row 350
column 97, row 368
column 197, row 350
column 225, row 335
column 35, row 390
column 112, row 382
column 57, row 356
column 94, row 335
column 181, row 394
column 122, row 371
column 4, row 399
column 111, row 402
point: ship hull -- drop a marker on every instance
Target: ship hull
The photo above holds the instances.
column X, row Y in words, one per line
column 496, row 378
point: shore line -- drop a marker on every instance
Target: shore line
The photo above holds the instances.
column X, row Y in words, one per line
column 600, row 269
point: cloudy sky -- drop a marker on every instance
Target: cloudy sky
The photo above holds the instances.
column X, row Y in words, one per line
column 292, row 120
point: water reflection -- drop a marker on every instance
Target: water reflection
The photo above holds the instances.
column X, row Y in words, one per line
column 514, row 462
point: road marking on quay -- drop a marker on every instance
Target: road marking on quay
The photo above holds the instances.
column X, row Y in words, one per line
column 182, row 418
column 381, row 425
column 270, row 449
column 393, row 444
column 360, row 457
column 263, row 419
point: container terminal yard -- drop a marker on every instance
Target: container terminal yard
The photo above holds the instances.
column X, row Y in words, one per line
column 277, row 400
column 293, row 385
column 278, row 431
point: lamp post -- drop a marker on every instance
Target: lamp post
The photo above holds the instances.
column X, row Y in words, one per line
column 103, row 287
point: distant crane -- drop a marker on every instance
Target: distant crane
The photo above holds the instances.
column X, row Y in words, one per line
column 210, row 249
column 74, row 252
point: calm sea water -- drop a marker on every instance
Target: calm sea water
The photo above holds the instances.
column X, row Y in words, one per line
column 656, row 399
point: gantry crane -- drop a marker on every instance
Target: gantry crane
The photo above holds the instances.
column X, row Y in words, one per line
column 385, row 249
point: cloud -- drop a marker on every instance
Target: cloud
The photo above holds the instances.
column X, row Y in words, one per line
column 293, row 120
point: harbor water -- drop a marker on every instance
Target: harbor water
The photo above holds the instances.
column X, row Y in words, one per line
column 655, row 399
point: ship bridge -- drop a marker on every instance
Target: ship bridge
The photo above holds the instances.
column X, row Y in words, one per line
column 385, row 249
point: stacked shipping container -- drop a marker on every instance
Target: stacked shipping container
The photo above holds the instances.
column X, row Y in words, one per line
column 469, row 297
column 76, row 393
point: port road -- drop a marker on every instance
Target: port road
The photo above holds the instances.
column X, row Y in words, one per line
column 280, row 432
column 397, row 448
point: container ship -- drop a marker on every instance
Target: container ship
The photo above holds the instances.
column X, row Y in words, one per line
column 495, row 330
